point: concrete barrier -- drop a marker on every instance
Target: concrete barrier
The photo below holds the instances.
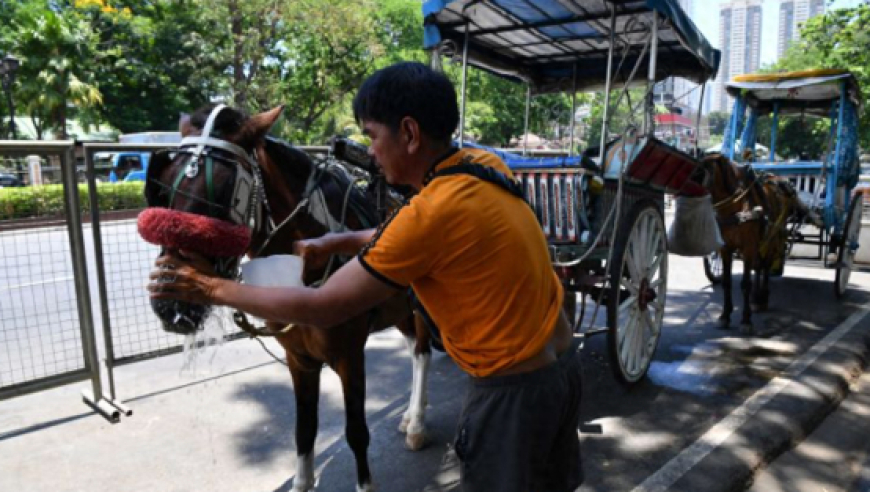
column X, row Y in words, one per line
column 863, row 254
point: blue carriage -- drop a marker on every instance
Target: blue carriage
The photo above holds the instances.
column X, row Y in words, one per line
column 601, row 210
column 826, row 185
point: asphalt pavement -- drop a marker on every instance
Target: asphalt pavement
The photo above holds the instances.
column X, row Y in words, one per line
column 221, row 419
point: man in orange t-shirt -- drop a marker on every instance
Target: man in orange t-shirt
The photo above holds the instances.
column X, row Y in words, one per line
column 477, row 260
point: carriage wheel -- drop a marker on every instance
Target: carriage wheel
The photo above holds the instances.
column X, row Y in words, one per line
column 713, row 268
column 638, row 275
column 846, row 255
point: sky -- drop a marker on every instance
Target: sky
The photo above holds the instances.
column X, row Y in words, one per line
column 707, row 20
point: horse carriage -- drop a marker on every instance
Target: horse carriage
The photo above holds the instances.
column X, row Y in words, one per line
column 229, row 190
column 601, row 210
column 825, row 186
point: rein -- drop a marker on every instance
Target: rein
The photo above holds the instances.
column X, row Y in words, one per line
column 305, row 204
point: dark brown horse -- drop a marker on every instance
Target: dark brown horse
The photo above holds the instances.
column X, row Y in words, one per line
column 752, row 211
column 290, row 199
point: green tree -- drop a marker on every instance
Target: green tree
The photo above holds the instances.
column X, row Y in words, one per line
column 56, row 48
column 155, row 61
column 839, row 39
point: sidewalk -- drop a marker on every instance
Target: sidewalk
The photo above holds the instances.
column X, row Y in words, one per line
column 834, row 458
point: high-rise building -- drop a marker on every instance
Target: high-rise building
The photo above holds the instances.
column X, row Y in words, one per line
column 793, row 13
column 740, row 43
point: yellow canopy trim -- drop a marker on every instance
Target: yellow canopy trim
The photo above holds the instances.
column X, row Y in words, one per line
column 801, row 74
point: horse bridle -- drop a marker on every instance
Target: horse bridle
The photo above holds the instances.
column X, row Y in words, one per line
column 248, row 194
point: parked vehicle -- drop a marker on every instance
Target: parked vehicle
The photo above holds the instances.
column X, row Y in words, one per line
column 9, row 181
column 123, row 166
column 601, row 211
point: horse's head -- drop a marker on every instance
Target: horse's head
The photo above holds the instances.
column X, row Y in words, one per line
column 723, row 179
column 206, row 196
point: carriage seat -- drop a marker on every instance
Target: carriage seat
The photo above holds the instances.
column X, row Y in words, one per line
column 647, row 161
column 805, row 176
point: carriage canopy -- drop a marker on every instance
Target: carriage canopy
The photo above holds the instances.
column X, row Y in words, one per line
column 542, row 41
column 808, row 91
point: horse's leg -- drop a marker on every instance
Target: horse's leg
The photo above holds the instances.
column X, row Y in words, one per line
column 306, row 387
column 351, row 370
column 727, row 305
column 414, row 419
column 760, row 292
column 746, row 287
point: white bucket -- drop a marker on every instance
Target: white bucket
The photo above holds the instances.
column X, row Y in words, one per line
column 273, row 271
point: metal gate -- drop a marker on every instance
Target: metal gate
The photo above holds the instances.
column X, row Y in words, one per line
column 46, row 323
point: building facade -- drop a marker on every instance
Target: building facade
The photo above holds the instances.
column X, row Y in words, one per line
column 740, row 43
column 793, row 13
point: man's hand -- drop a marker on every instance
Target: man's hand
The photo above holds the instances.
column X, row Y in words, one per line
column 315, row 252
column 184, row 276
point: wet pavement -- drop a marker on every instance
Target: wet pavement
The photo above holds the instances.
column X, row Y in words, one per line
column 715, row 406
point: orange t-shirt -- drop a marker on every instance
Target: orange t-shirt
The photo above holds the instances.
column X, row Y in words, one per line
column 478, row 261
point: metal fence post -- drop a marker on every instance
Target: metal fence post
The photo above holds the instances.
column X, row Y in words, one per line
column 93, row 398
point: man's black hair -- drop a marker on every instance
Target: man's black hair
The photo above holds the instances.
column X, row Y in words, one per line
column 409, row 89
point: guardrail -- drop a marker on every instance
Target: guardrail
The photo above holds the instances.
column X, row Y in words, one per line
column 47, row 323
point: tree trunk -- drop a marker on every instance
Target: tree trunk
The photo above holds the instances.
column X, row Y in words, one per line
column 236, row 27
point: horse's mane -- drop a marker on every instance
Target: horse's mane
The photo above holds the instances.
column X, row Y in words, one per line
column 296, row 166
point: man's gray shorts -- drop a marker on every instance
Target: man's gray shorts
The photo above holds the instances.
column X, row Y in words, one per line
column 520, row 432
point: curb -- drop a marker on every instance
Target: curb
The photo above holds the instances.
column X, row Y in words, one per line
column 789, row 416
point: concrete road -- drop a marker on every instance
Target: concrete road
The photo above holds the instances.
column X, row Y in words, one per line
column 715, row 407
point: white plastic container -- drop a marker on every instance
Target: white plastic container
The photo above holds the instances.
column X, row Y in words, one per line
column 273, row 271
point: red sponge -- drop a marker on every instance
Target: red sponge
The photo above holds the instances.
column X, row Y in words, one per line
column 183, row 230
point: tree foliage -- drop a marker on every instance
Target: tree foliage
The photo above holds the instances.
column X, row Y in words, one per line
column 136, row 64
column 838, row 39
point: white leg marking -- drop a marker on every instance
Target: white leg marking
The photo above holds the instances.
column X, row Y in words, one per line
column 406, row 417
column 304, row 480
column 366, row 487
column 417, row 408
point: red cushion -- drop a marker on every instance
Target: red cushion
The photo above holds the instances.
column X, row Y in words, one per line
column 191, row 232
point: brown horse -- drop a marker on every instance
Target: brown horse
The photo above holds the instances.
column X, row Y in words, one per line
column 752, row 211
column 290, row 199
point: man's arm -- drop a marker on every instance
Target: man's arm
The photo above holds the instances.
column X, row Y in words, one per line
column 350, row 291
column 316, row 251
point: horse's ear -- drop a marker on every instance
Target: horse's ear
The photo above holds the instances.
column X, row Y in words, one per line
column 184, row 126
column 260, row 124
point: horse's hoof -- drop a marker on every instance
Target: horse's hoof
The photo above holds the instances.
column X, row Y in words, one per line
column 302, row 487
column 366, row 487
column 746, row 329
column 724, row 323
column 403, row 425
column 415, row 442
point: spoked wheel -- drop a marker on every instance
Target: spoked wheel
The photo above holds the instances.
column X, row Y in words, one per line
column 713, row 268
column 846, row 254
column 638, row 275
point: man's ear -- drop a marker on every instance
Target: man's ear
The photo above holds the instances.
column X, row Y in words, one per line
column 409, row 130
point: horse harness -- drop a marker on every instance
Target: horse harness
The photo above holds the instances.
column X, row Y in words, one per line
column 248, row 205
column 751, row 188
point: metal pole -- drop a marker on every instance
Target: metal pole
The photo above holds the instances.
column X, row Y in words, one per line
column 101, row 270
column 648, row 122
column 608, row 83
column 11, row 113
column 83, row 297
column 573, row 112
column 698, row 120
column 526, row 124
column 464, row 81
column 831, row 197
column 774, row 127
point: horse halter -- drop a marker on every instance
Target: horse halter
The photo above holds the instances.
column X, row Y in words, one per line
column 247, row 194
